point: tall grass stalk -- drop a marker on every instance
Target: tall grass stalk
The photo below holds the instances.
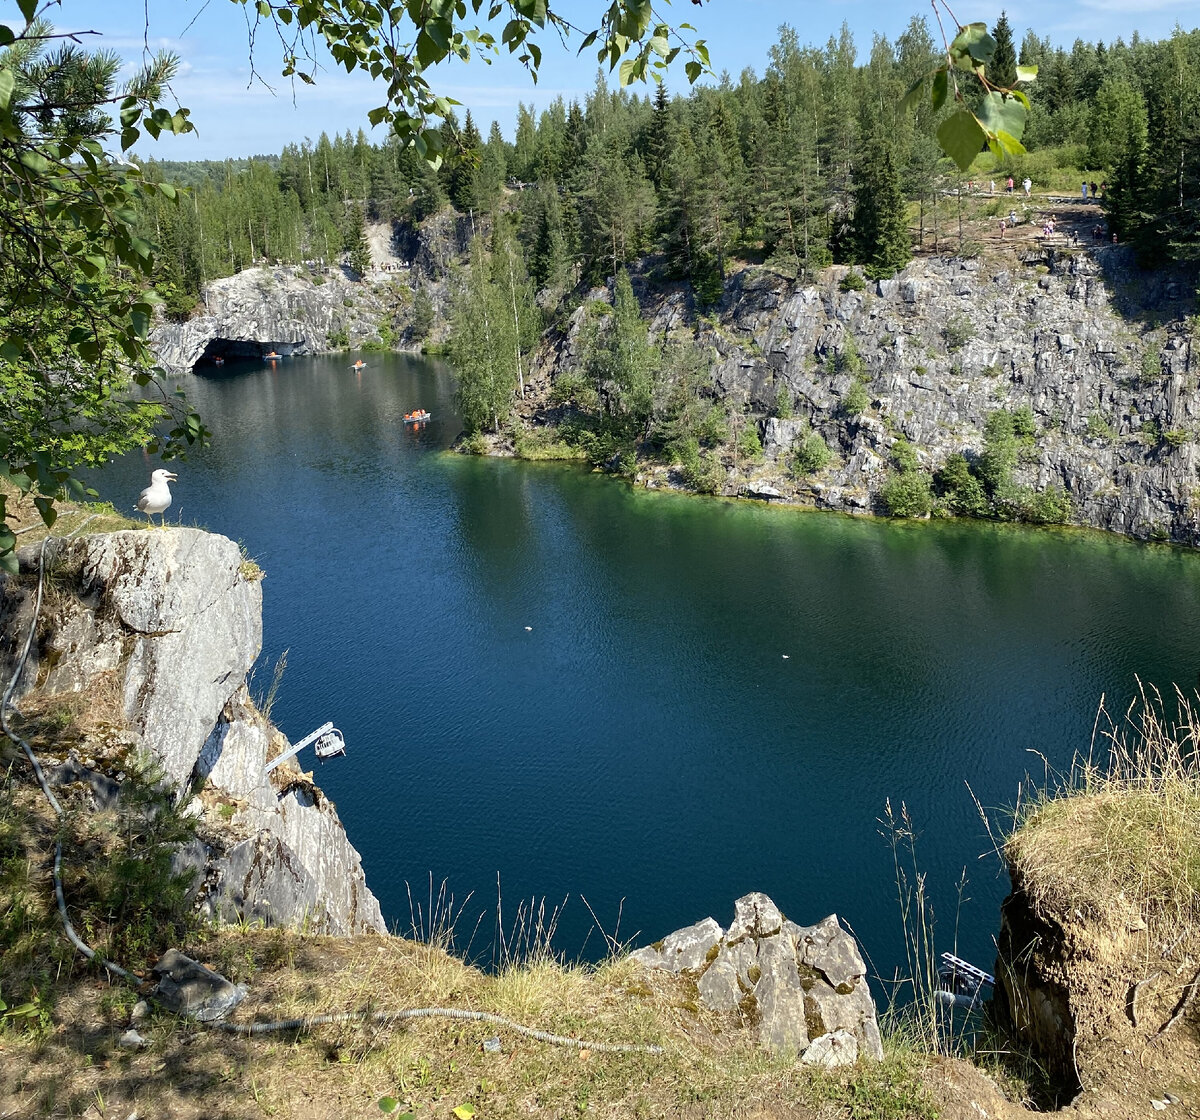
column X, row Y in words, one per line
column 915, row 1012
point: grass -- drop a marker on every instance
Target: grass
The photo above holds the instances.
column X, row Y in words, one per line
column 1119, row 830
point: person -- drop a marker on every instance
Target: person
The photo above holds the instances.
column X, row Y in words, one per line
column 1083, row 190
column 1012, row 217
column 991, row 186
column 1009, row 187
column 1093, row 189
column 1028, row 185
column 1003, row 227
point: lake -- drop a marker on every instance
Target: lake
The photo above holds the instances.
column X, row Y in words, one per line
column 653, row 702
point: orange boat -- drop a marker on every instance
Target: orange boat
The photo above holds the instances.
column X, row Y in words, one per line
column 417, row 416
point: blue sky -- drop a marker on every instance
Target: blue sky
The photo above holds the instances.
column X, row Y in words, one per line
column 236, row 117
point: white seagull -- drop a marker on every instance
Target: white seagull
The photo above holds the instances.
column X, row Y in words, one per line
column 157, row 496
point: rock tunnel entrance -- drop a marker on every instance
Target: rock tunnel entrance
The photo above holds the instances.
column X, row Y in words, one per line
column 218, row 351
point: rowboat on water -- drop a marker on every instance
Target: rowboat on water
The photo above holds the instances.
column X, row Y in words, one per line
column 417, row 416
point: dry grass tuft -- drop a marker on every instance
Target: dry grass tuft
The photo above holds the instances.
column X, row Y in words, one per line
column 1118, row 833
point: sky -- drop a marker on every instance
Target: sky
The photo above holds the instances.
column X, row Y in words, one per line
column 236, row 115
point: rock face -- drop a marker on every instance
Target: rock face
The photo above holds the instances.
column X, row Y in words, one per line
column 1100, row 352
column 166, row 625
column 804, row 987
column 308, row 310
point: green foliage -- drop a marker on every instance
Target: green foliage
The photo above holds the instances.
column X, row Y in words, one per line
column 852, row 282
column 907, row 494
column 962, row 491
column 483, row 346
column 749, row 445
column 1151, row 366
column 857, row 400
column 957, row 332
column 783, row 401
column 422, row 313
column 1177, row 437
column 1024, row 426
column 880, row 220
column 75, row 302
column 339, row 339
column 986, row 111
column 999, row 456
column 904, row 455
column 1098, row 427
column 622, row 364
column 810, row 453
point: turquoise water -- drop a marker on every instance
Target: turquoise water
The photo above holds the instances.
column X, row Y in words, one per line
column 546, row 676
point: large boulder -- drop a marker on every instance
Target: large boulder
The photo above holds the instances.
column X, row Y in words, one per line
column 800, row 985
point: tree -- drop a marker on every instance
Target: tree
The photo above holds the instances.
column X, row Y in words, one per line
column 75, row 307
column 879, row 223
column 482, row 346
column 622, row 363
column 1004, row 57
column 357, row 244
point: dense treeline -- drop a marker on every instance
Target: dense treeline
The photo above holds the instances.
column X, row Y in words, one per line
column 814, row 161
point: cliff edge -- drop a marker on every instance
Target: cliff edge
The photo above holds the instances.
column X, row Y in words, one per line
column 155, row 632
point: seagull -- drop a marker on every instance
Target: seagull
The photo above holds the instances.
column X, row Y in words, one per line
column 157, row 496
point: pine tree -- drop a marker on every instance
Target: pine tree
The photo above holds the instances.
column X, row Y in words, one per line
column 360, row 248
column 1002, row 70
column 879, row 224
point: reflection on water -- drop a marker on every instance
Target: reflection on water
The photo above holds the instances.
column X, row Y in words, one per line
column 545, row 675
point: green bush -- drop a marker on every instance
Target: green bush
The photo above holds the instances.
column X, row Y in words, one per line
column 904, row 455
column 958, row 332
column 857, row 400
column 1177, row 437
column 748, row 444
column 783, row 401
column 1098, row 427
column 908, row 494
column 999, row 451
column 852, row 282
column 714, row 427
column 810, row 453
column 962, row 491
column 1024, row 426
column 339, row 340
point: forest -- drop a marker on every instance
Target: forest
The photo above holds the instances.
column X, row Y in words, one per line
column 813, row 162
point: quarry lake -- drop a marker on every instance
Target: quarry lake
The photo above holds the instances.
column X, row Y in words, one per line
column 589, row 691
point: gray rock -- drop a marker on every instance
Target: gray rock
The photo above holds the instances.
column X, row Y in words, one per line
column 685, row 950
column 131, row 1040
column 802, row 981
column 832, row 1050
column 754, row 915
column 830, row 949
column 188, row 988
column 718, row 987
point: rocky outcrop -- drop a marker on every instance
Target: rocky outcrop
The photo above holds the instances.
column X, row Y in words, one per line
column 1099, row 351
column 284, row 309
column 311, row 309
column 803, row 987
column 163, row 626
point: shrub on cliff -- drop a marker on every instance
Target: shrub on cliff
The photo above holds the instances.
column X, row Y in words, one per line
column 907, row 494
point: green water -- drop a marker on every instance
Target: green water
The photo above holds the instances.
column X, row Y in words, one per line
column 594, row 691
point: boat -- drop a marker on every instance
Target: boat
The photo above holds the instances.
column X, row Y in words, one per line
column 359, row 365
column 271, row 357
column 417, row 416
